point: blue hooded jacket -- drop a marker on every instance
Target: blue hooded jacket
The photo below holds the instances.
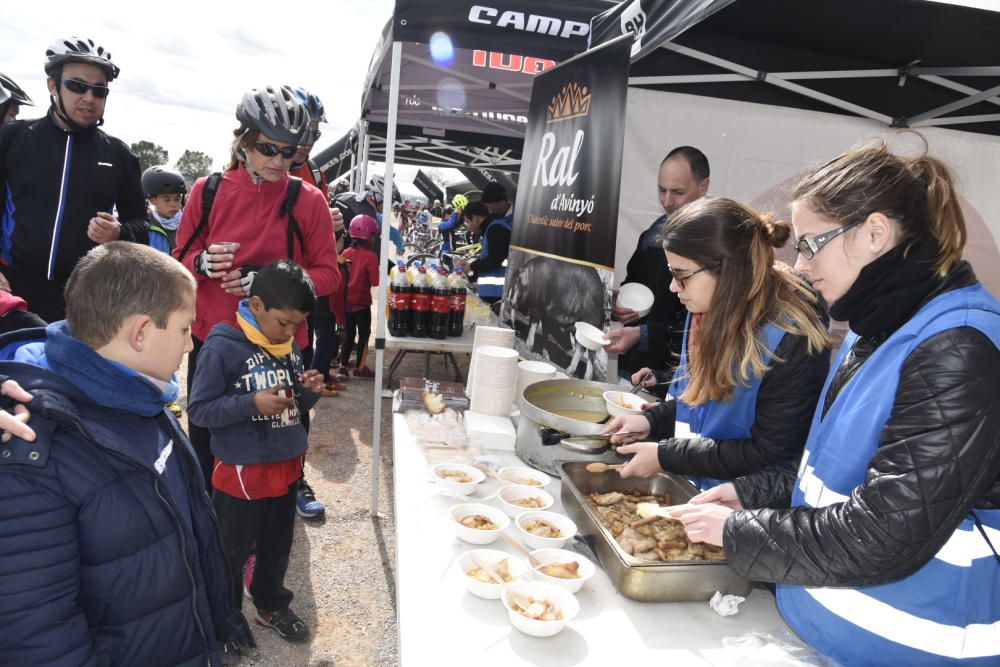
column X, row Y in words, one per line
column 100, row 561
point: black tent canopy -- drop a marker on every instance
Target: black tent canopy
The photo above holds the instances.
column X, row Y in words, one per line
column 904, row 63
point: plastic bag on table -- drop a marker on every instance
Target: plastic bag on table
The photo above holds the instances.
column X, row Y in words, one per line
column 447, row 427
column 769, row 649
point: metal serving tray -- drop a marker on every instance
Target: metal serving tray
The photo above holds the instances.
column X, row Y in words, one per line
column 637, row 579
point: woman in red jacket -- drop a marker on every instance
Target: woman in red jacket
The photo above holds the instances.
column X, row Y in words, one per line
column 248, row 225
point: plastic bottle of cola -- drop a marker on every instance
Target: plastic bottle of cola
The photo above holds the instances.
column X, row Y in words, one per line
column 456, row 314
column 421, row 304
column 399, row 301
column 440, row 304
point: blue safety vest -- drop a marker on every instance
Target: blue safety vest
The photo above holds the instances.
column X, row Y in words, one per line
column 948, row 612
column 730, row 420
column 491, row 282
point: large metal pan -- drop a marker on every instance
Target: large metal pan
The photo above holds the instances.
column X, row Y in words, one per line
column 638, row 579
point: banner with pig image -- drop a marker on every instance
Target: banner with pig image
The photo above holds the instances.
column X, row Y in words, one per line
column 561, row 264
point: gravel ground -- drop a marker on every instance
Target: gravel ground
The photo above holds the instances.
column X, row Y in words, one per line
column 342, row 567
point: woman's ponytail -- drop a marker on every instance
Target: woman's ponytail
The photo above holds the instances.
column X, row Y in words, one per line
column 945, row 221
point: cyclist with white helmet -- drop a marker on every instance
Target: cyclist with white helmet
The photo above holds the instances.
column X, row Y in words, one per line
column 302, row 166
column 165, row 189
column 63, row 179
column 251, row 214
column 12, row 98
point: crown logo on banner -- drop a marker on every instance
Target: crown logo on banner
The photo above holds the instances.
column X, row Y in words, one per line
column 573, row 101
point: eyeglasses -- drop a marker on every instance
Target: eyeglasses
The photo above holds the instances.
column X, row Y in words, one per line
column 316, row 134
column 339, row 234
column 270, row 150
column 81, row 87
column 682, row 277
column 810, row 245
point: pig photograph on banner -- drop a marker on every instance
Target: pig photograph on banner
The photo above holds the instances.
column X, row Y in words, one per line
column 561, row 264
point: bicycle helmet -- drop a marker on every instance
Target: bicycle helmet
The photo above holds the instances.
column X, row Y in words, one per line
column 11, row 91
column 364, row 227
column 162, row 181
column 377, row 186
column 77, row 50
column 276, row 112
column 313, row 104
column 460, row 201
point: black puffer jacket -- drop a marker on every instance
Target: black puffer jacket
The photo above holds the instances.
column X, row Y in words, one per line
column 785, row 405
column 938, row 459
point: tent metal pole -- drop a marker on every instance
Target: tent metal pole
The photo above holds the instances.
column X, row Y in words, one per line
column 957, row 120
column 780, row 83
column 959, row 104
column 390, row 158
column 957, row 87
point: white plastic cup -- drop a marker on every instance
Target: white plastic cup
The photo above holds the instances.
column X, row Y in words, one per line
column 530, row 372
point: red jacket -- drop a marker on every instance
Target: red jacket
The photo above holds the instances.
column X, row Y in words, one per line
column 364, row 275
column 247, row 213
column 305, row 172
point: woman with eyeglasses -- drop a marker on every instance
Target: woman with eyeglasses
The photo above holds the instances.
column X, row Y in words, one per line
column 885, row 544
column 754, row 354
column 252, row 221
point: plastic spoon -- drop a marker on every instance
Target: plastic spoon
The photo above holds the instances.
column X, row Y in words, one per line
column 601, row 467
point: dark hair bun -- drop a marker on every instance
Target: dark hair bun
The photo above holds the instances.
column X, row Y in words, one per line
column 775, row 232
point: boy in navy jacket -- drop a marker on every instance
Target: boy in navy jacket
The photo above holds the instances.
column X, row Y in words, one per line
column 110, row 553
column 250, row 390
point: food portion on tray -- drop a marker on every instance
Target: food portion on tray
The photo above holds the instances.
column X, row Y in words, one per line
column 654, row 539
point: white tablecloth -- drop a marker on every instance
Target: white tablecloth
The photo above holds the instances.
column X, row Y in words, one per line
column 440, row 624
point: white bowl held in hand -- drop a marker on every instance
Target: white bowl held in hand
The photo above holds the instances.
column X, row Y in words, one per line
column 469, row 511
column 508, row 495
column 523, row 476
column 564, row 527
column 550, row 557
column 590, row 336
column 535, row 595
column 454, row 483
column 476, row 559
column 636, row 297
column 617, row 400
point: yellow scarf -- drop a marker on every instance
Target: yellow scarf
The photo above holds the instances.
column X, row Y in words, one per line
column 255, row 336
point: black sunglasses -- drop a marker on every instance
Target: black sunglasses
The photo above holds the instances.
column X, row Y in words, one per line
column 681, row 277
column 316, row 135
column 809, row 246
column 81, row 87
column 270, row 150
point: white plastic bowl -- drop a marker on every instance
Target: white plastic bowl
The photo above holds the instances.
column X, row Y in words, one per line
column 511, row 476
column 563, row 524
column 613, row 401
column 550, row 556
column 590, row 336
column 460, row 488
column 513, row 492
column 490, row 557
column 560, row 597
column 474, row 535
column 636, row 297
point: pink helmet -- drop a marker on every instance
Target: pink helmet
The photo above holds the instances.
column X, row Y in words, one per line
column 364, row 227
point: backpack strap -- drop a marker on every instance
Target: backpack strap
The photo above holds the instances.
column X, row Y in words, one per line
column 207, row 199
column 287, row 209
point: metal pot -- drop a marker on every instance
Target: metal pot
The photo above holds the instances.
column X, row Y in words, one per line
column 555, row 404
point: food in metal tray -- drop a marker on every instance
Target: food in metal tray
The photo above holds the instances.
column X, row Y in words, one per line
column 478, row 521
column 654, row 539
column 532, row 502
column 500, row 569
column 570, row 570
column 542, row 528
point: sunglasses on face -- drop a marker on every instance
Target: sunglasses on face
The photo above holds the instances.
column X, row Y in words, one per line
column 316, row 134
column 339, row 234
column 81, row 87
column 681, row 277
column 809, row 246
column 270, row 150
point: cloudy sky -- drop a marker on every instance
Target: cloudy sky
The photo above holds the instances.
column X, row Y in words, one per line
column 186, row 64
